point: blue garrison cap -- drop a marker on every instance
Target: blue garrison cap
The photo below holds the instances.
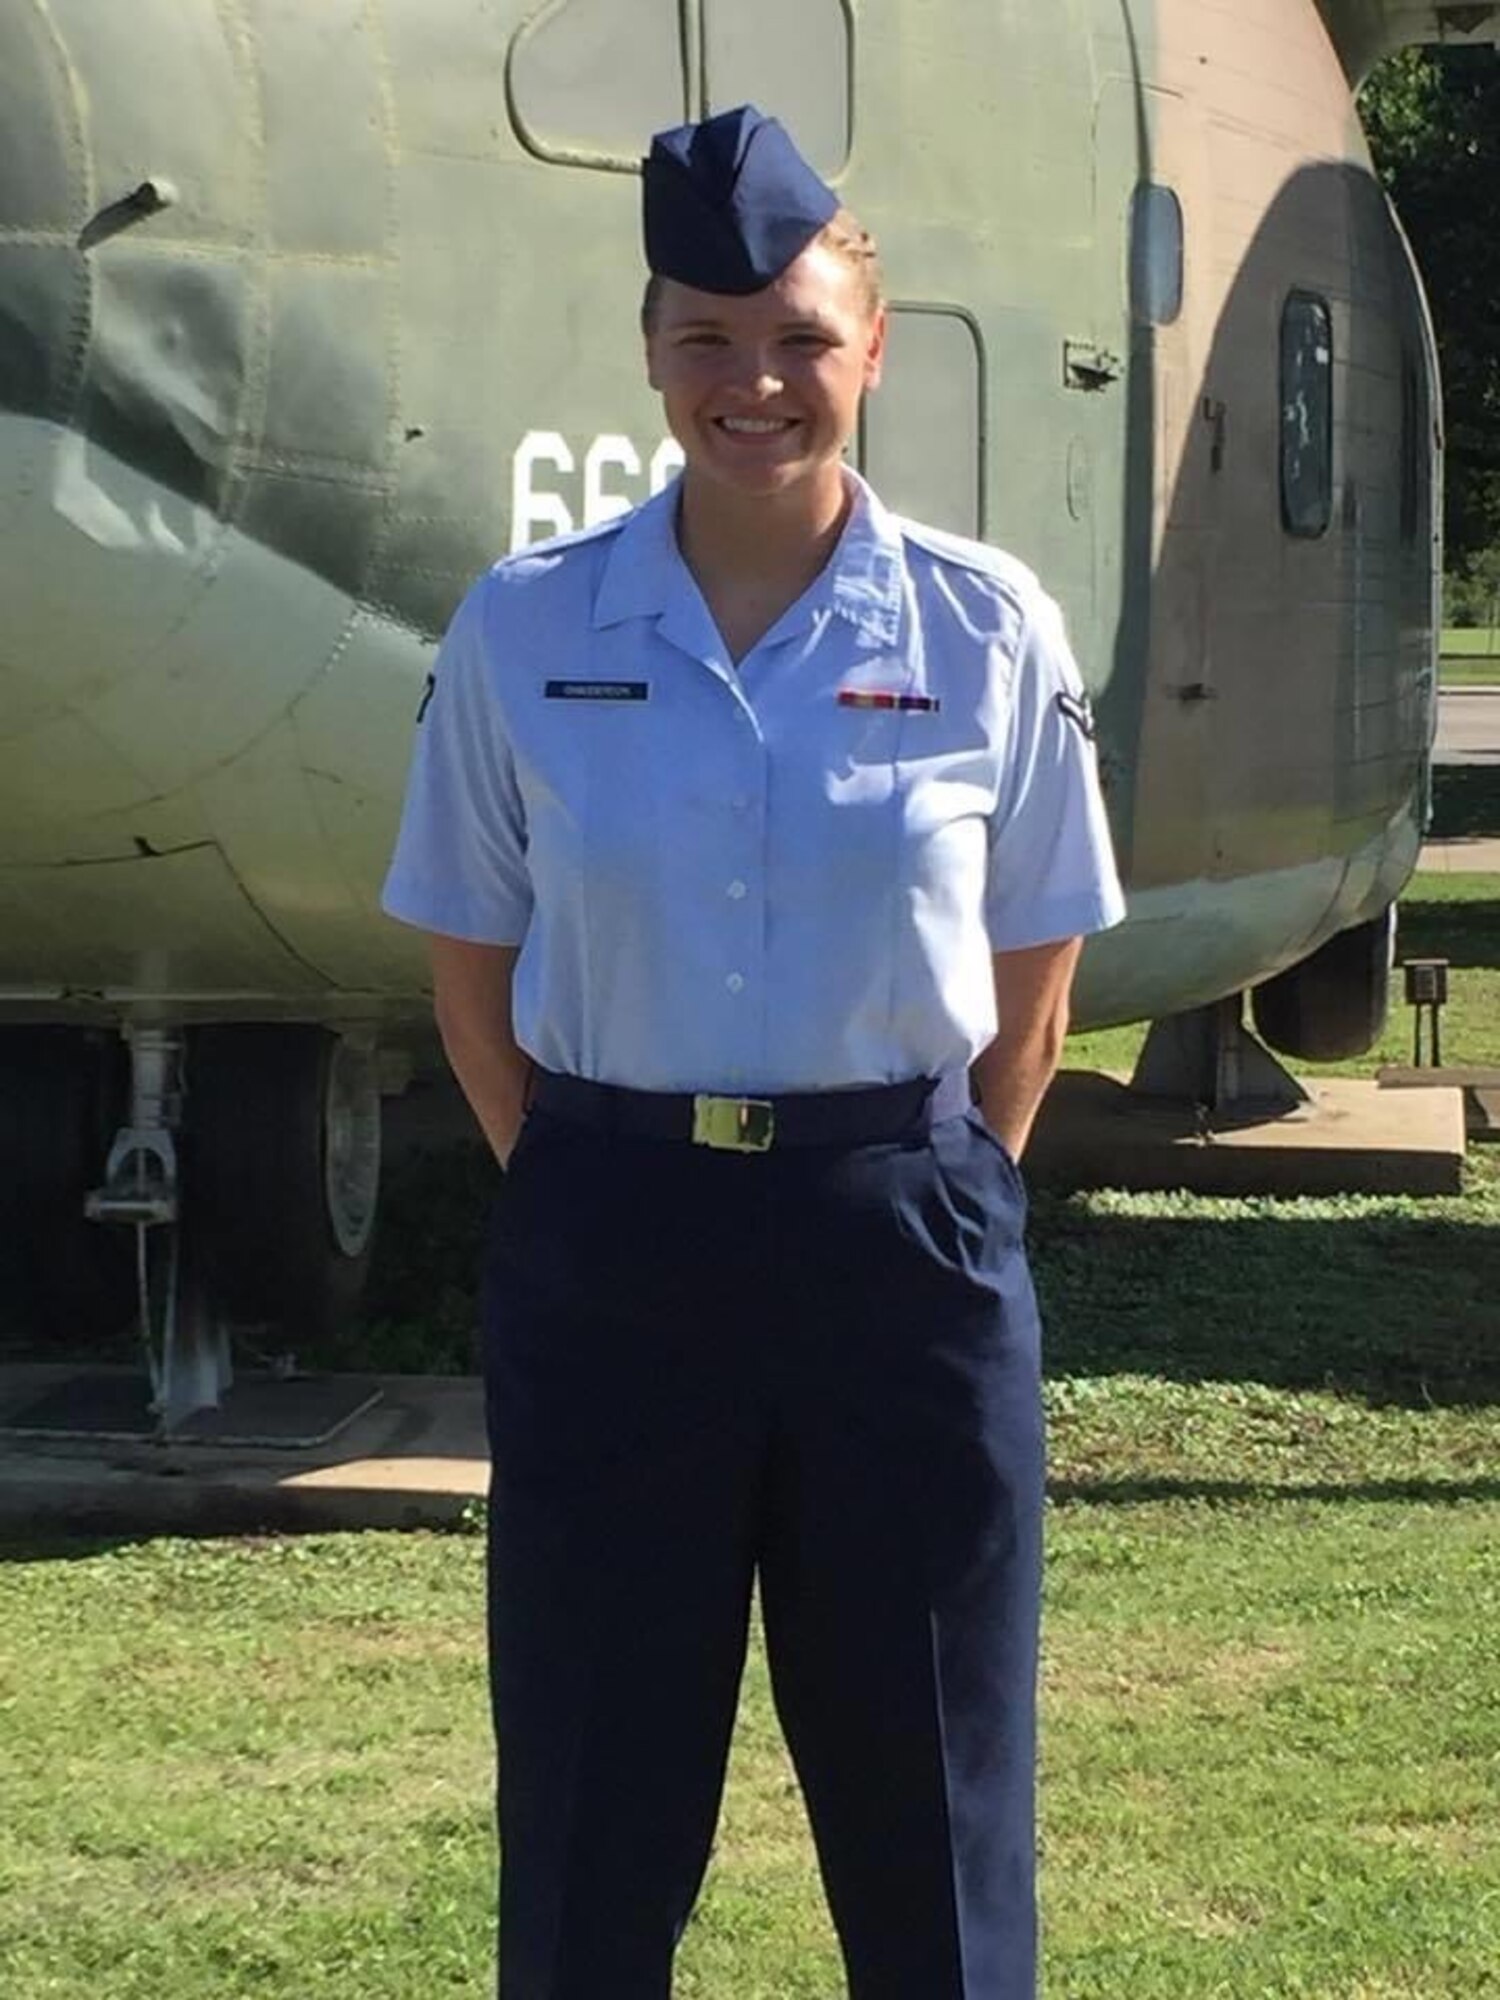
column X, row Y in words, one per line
column 728, row 204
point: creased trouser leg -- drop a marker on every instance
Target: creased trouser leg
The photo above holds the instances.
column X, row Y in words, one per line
column 901, row 1576
column 620, row 1579
column 826, row 1364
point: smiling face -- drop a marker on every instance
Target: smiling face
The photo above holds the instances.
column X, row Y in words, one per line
column 762, row 391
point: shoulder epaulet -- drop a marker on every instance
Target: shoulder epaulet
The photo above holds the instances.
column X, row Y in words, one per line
column 543, row 553
column 981, row 557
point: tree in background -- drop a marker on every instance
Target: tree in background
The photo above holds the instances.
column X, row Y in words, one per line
column 1433, row 118
column 1472, row 592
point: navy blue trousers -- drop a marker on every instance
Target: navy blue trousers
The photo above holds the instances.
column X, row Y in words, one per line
column 814, row 1367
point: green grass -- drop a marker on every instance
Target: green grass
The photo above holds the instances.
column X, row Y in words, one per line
column 262, row 1767
column 1456, row 672
column 1271, row 1752
column 1465, row 641
column 1470, row 658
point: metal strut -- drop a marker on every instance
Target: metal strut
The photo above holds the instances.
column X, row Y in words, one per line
column 186, row 1345
column 1209, row 1058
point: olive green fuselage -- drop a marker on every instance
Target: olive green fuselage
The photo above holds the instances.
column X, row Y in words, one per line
column 308, row 313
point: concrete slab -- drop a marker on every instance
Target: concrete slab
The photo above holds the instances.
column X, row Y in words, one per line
column 1468, row 729
column 1461, row 857
column 1351, row 1138
column 1480, row 1088
column 417, row 1459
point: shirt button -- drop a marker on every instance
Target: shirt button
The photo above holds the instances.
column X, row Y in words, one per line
column 737, row 892
column 735, row 982
column 741, row 802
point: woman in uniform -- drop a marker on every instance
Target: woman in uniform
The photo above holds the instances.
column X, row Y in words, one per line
column 756, row 835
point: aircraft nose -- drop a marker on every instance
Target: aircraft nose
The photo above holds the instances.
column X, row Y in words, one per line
column 43, row 279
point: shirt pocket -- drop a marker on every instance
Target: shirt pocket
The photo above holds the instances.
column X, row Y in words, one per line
column 624, row 756
column 588, row 775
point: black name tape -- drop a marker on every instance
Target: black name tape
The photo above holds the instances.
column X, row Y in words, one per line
column 598, row 690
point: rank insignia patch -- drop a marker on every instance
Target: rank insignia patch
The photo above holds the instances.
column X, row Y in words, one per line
column 1076, row 708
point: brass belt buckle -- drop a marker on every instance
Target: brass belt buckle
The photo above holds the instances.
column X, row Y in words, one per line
column 734, row 1124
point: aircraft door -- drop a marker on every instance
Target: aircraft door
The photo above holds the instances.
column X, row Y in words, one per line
column 1154, row 273
column 793, row 56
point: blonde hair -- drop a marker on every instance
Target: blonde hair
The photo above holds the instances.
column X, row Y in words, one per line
column 843, row 235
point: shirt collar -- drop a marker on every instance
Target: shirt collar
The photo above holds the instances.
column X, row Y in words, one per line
column 644, row 575
column 644, row 570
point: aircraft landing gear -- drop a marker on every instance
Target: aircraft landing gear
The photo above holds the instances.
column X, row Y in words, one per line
column 283, row 1132
column 1208, row 1057
column 186, row 1342
column 240, row 1188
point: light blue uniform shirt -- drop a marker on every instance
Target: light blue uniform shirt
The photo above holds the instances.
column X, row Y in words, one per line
column 757, row 879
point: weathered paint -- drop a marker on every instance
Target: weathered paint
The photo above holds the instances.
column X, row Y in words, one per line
column 257, row 441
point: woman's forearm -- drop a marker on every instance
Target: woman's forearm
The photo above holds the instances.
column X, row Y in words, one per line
column 472, row 1004
column 1032, row 989
column 1011, row 1083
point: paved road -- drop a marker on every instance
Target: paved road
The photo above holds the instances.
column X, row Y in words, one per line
column 1469, row 727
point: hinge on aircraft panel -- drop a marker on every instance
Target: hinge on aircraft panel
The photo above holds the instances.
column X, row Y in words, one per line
column 1089, row 366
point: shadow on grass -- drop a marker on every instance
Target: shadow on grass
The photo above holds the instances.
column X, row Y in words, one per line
column 420, row 1312
column 55, row 1541
column 1465, row 933
column 1465, row 801
column 1144, row 1492
column 1400, row 1307
column 57, row 1545
column 1399, row 1310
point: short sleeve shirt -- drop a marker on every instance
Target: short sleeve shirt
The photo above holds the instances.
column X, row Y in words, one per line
column 784, row 875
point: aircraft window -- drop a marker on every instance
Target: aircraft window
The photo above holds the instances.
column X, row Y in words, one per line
column 922, row 431
column 1156, row 256
column 1306, row 416
column 1411, row 450
column 590, row 80
column 793, row 56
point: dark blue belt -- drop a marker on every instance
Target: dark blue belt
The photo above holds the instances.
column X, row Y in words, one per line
column 872, row 1115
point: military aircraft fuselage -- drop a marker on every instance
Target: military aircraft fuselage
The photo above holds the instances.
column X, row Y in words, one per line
column 308, row 313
